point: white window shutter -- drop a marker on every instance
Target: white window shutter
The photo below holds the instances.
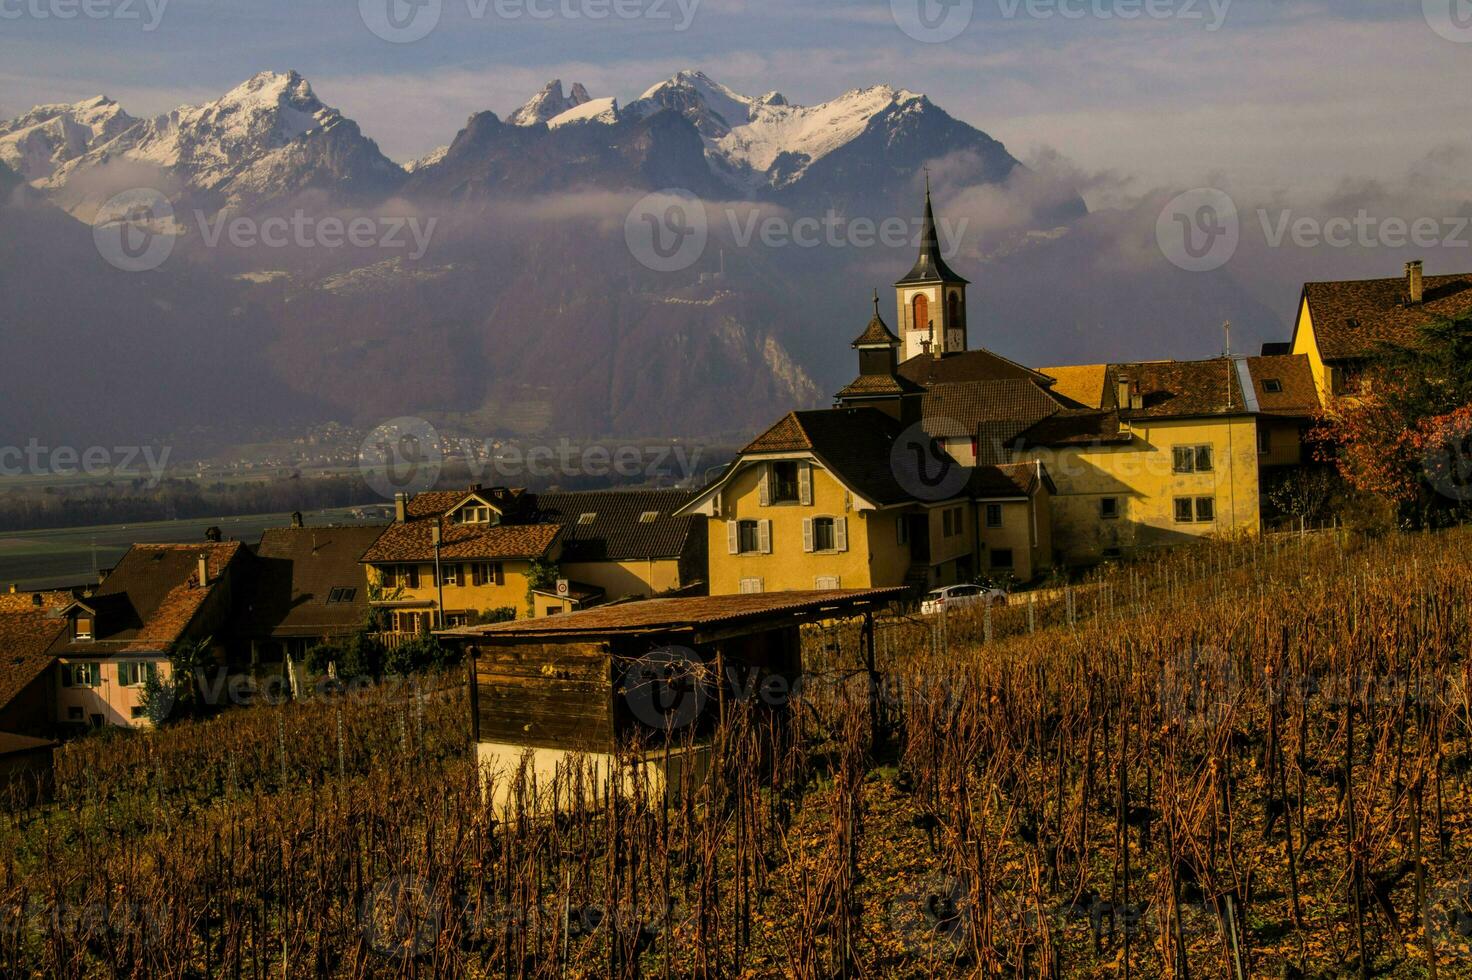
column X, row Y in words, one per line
column 840, row 533
column 733, row 537
column 807, row 534
column 765, row 485
column 805, row 483
column 765, row 534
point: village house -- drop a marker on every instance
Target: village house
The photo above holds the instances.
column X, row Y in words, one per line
column 30, row 625
column 307, row 586
column 1341, row 325
column 1062, row 466
column 118, row 636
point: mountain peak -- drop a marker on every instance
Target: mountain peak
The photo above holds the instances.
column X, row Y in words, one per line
column 549, row 103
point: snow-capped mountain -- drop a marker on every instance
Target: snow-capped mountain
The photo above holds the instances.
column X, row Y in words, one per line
column 266, row 138
column 36, row 144
column 603, row 111
column 549, row 103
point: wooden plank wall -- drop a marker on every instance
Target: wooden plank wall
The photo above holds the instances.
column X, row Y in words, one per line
column 551, row 695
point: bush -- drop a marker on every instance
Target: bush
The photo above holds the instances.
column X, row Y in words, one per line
column 359, row 655
column 421, row 654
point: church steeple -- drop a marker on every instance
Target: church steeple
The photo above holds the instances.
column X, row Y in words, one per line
column 879, row 384
column 932, row 297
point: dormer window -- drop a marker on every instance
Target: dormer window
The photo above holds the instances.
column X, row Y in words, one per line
column 649, row 517
column 82, row 628
column 477, row 514
column 1273, row 386
column 585, row 519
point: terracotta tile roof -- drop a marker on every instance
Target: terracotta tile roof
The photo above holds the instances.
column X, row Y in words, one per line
column 971, row 365
column 959, row 410
column 1082, row 384
column 1010, row 480
column 654, row 614
column 1175, row 389
column 25, row 639
column 1076, row 428
column 151, row 597
column 296, row 570
column 1352, row 318
column 413, row 542
column 1297, row 395
column 876, row 334
column 580, row 592
column 437, row 502
column 872, row 385
column 14, row 602
column 619, row 530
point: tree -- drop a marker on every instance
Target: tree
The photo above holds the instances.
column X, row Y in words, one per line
column 542, row 575
column 1407, row 437
column 189, row 660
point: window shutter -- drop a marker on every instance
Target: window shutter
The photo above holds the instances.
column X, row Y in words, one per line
column 765, row 482
column 500, row 571
column 764, row 532
column 733, row 537
column 805, row 483
column 477, row 574
column 1185, row 458
column 1203, row 459
column 807, row 534
column 840, row 533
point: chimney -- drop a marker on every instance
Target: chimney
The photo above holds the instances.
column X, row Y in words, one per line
column 36, row 599
column 1415, row 282
column 296, row 519
column 401, row 508
column 212, row 534
column 204, row 570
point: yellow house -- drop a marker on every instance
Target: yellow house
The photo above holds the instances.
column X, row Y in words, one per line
column 449, row 558
column 1340, row 324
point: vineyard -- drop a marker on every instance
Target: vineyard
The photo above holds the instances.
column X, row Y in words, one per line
column 1246, row 759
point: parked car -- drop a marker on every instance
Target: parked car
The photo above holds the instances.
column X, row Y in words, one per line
column 954, row 597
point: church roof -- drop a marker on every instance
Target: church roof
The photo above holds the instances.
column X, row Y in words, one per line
column 931, row 265
column 877, row 334
column 971, row 365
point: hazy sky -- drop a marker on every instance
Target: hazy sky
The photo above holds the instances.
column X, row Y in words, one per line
column 1268, row 96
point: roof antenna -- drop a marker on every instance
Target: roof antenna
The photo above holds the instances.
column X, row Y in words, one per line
column 1227, row 330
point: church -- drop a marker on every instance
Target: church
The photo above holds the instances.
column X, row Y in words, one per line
column 940, row 463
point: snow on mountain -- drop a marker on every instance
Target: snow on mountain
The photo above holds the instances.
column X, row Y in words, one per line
column 48, row 136
column 428, row 160
column 549, row 103
column 268, row 135
column 595, row 110
column 746, row 137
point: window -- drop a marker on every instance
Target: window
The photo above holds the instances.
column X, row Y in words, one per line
column 135, row 674
column 827, row 583
column 749, row 537
column 902, row 530
column 136, row 711
column 585, row 519
column 1109, row 508
column 81, row 675
column 993, row 515
column 1002, row 558
column 920, row 313
column 73, row 714
column 400, row 576
column 457, row 619
column 83, row 628
column 1273, row 386
column 751, row 586
column 823, row 536
column 450, row 574
column 649, row 517
column 1197, row 510
column 487, row 573
column 945, row 524
column 1264, row 442
column 340, row 595
column 784, row 483
column 476, row 514
column 1193, row 459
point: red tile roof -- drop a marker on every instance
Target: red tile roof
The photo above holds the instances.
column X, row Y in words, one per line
column 1351, row 319
column 1298, row 395
column 414, row 542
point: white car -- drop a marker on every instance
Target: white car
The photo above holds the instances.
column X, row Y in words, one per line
column 954, row 597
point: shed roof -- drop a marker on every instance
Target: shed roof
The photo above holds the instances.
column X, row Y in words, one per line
column 695, row 613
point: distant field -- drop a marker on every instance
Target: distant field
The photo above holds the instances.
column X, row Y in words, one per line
column 72, row 556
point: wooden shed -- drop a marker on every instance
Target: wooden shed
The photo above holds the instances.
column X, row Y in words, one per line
column 25, row 768
column 593, row 684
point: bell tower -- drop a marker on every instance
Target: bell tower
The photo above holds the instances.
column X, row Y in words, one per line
column 932, row 298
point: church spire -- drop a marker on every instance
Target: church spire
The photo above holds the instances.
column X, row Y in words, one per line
column 931, row 266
